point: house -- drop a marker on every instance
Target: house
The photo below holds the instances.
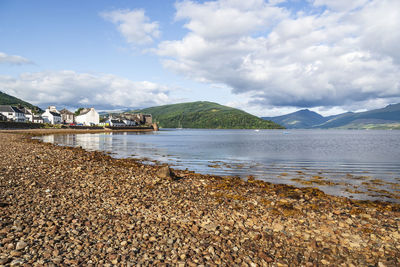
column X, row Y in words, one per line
column 115, row 123
column 37, row 119
column 67, row 117
column 129, row 122
column 28, row 114
column 88, row 116
column 12, row 113
column 51, row 115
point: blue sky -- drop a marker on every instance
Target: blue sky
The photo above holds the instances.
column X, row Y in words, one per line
column 265, row 57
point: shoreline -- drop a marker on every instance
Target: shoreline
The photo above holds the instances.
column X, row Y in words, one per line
column 119, row 211
column 372, row 188
column 157, row 164
column 38, row 132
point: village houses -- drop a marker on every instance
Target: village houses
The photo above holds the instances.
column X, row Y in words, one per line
column 86, row 117
column 12, row 113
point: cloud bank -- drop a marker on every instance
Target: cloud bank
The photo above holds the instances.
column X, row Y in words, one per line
column 13, row 60
column 68, row 88
column 337, row 53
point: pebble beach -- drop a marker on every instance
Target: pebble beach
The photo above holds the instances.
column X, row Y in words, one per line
column 63, row 206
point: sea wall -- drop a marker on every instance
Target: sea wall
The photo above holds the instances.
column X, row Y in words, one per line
column 20, row 125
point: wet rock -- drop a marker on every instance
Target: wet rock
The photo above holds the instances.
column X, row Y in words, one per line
column 165, row 173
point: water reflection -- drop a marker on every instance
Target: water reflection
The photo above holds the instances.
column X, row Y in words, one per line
column 359, row 164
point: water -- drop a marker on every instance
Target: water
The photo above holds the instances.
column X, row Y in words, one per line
column 356, row 164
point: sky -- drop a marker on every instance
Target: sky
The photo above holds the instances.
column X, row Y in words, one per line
column 265, row 57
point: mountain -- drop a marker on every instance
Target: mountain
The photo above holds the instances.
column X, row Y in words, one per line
column 384, row 118
column 207, row 115
column 6, row 99
column 298, row 120
column 388, row 117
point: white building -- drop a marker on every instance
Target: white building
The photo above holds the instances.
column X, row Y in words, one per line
column 12, row 113
column 28, row 114
column 51, row 116
column 115, row 122
column 88, row 117
column 37, row 119
column 53, row 109
column 129, row 122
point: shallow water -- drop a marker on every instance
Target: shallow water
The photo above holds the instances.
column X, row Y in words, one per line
column 352, row 163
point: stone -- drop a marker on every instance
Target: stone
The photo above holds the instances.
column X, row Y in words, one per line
column 4, row 261
column 165, row 173
column 21, row 245
column 265, row 257
column 16, row 253
column 277, row 227
column 103, row 217
column 17, row 262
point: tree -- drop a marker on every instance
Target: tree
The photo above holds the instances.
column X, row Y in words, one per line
column 78, row 111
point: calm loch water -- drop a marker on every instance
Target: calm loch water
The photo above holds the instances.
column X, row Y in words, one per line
column 356, row 164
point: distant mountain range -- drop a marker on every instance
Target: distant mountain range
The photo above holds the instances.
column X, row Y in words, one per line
column 207, row 115
column 384, row 118
column 6, row 99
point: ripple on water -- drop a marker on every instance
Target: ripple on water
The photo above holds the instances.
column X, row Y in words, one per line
column 338, row 162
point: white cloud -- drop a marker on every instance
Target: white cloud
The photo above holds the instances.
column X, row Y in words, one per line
column 134, row 25
column 68, row 88
column 345, row 55
column 14, row 60
column 227, row 18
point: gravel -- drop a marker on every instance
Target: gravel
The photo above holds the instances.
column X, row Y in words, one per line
column 66, row 206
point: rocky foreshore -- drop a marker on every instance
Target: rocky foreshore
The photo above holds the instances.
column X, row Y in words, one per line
column 65, row 206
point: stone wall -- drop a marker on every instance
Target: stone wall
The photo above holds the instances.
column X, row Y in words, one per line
column 20, row 125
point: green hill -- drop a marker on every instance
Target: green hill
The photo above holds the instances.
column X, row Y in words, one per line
column 6, row 99
column 206, row 115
